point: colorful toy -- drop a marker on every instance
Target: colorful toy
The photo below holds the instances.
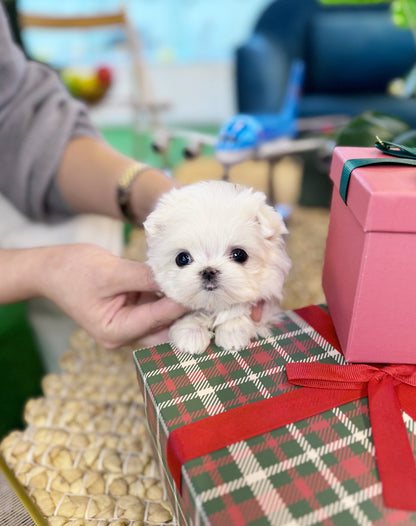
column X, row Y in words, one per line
column 241, row 136
column 89, row 85
column 259, row 136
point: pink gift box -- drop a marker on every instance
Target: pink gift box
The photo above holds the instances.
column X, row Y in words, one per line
column 369, row 275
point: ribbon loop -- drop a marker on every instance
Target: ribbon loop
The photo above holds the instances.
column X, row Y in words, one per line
column 402, row 373
column 395, row 150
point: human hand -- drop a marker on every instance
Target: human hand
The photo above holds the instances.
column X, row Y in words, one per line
column 112, row 298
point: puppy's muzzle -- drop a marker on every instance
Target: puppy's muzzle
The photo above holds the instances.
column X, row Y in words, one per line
column 210, row 278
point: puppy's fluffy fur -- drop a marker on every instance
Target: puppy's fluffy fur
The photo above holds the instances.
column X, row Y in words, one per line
column 218, row 248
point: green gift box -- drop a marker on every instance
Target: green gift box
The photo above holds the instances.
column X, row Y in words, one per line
column 238, row 443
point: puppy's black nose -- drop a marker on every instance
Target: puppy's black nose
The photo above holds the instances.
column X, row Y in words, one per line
column 209, row 274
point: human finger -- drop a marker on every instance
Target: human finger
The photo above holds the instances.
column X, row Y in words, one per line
column 134, row 276
column 132, row 322
column 155, row 338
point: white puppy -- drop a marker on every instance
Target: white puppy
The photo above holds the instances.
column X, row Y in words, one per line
column 218, row 248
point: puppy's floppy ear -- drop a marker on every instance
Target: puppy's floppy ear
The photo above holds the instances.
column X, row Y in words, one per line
column 156, row 222
column 153, row 225
column 270, row 221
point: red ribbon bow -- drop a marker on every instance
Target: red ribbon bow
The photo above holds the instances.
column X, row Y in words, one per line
column 389, row 389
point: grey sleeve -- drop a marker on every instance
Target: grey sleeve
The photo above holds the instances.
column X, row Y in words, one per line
column 37, row 119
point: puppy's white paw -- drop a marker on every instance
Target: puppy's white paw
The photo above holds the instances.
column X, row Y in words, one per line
column 235, row 334
column 189, row 335
column 263, row 331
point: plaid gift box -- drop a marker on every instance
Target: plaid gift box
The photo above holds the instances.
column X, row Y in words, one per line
column 312, row 462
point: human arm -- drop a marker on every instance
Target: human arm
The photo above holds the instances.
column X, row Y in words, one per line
column 54, row 161
column 112, row 298
column 89, row 172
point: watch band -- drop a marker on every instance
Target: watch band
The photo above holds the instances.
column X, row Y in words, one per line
column 124, row 190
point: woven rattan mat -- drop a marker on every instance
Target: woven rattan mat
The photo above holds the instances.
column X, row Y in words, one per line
column 85, row 457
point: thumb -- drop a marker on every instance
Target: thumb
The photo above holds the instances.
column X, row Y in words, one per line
column 134, row 321
column 163, row 313
column 134, row 276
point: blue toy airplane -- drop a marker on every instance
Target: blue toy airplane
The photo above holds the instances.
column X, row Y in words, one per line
column 259, row 136
column 268, row 136
column 242, row 135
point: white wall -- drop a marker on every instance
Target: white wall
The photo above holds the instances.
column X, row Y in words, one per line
column 199, row 94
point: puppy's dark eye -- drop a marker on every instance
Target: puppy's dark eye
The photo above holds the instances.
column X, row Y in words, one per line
column 183, row 259
column 239, row 255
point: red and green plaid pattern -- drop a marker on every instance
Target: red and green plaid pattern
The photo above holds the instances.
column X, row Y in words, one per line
column 318, row 471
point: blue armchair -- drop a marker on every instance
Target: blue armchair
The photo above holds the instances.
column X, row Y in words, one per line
column 350, row 53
